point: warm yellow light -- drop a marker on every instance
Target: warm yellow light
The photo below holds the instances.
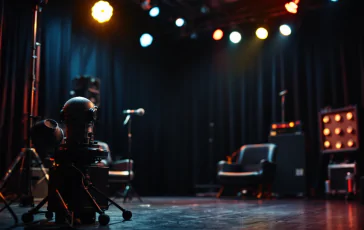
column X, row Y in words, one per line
column 291, row 124
column 218, row 34
column 291, row 7
column 349, row 116
column 102, row 11
column 326, row 132
column 349, row 129
column 337, row 117
column 338, row 145
column 326, row 119
column 337, row 131
column 274, row 126
column 261, row 33
column 327, row 144
column 351, row 143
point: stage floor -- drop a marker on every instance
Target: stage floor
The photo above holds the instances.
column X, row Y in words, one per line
column 211, row 213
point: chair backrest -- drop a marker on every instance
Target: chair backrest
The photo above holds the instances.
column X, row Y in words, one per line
column 253, row 154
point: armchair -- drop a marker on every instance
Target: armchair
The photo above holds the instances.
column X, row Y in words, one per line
column 254, row 165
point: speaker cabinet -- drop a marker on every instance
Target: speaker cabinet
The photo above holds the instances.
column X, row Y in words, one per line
column 290, row 179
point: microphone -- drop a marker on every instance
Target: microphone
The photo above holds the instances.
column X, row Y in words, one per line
column 139, row 112
column 282, row 93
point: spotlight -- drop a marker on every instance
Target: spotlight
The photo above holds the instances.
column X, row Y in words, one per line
column 235, row 37
column 102, row 11
column 145, row 4
column 154, row 12
column 285, row 30
column 292, row 7
column 146, row 40
column 350, row 143
column 326, row 119
column 218, row 34
column 180, row 22
column 327, row 144
column 337, row 131
column 349, row 130
column 261, row 33
column 337, row 117
column 326, row 132
column 349, row 116
column 338, row 145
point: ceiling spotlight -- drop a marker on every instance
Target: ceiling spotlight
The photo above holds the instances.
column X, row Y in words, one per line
column 292, row 6
column 285, row 30
column 146, row 40
column 235, row 37
column 204, row 9
column 102, row 11
column 154, row 12
column 261, row 33
column 218, row 34
column 180, row 22
column 145, row 4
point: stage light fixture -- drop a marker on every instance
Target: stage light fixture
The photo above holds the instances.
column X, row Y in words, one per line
column 217, row 35
column 291, row 124
column 154, row 12
column 102, row 11
column 261, row 33
column 145, row 4
column 292, row 6
column 326, row 132
column 235, row 37
column 327, row 144
column 180, row 22
column 146, row 40
column 345, row 129
column 285, row 30
column 326, row 119
column 337, row 117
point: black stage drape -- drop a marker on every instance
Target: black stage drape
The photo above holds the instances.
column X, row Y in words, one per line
column 184, row 86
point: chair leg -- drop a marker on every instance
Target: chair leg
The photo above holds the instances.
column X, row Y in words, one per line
column 260, row 191
column 221, row 190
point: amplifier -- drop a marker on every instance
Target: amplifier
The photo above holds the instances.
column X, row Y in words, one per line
column 290, row 178
column 338, row 176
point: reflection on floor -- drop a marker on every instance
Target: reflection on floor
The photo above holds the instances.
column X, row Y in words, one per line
column 210, row 213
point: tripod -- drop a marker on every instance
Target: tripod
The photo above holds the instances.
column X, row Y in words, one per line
column 65, row 213
column 129, row 189
column 28, row 152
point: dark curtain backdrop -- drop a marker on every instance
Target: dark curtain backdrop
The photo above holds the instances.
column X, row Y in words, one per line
column 184, row 86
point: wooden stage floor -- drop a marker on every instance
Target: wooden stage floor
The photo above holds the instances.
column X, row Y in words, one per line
column 211, row 213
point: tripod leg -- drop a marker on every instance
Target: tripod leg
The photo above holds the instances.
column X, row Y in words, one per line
column 2, row 198
column 10, row 170
column 39, row 162
column 93, row 201
column 69, row 217
column 39, row 206
column 126, row 214
column 12, row 201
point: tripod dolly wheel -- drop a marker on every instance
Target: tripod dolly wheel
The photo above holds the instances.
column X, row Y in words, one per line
column 27, row 217
column 127, row 215
column 104, row 219
column 49, row 215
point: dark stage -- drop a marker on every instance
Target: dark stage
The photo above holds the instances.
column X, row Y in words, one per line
column 211, row 213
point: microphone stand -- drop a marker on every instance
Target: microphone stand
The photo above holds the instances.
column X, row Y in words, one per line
column 129, row 189
column 283, row 97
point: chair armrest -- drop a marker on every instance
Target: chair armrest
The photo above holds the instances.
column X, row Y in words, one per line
column 226, row 167
column 122, row 165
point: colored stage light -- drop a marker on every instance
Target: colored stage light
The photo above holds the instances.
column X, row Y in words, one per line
column 327, row 144
column 146, row 40
column 326, row 119
column 102, row 11
column 337, row 131
column 261, row 33
column 345, row 129
column 291, row 124
column 154, row 12
column 285, row 30
column 292, row 6
column 218, row 34
column 235, row 37
column 349, row 115
column 326, row 132
column 337, row 117
column 180, row 22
